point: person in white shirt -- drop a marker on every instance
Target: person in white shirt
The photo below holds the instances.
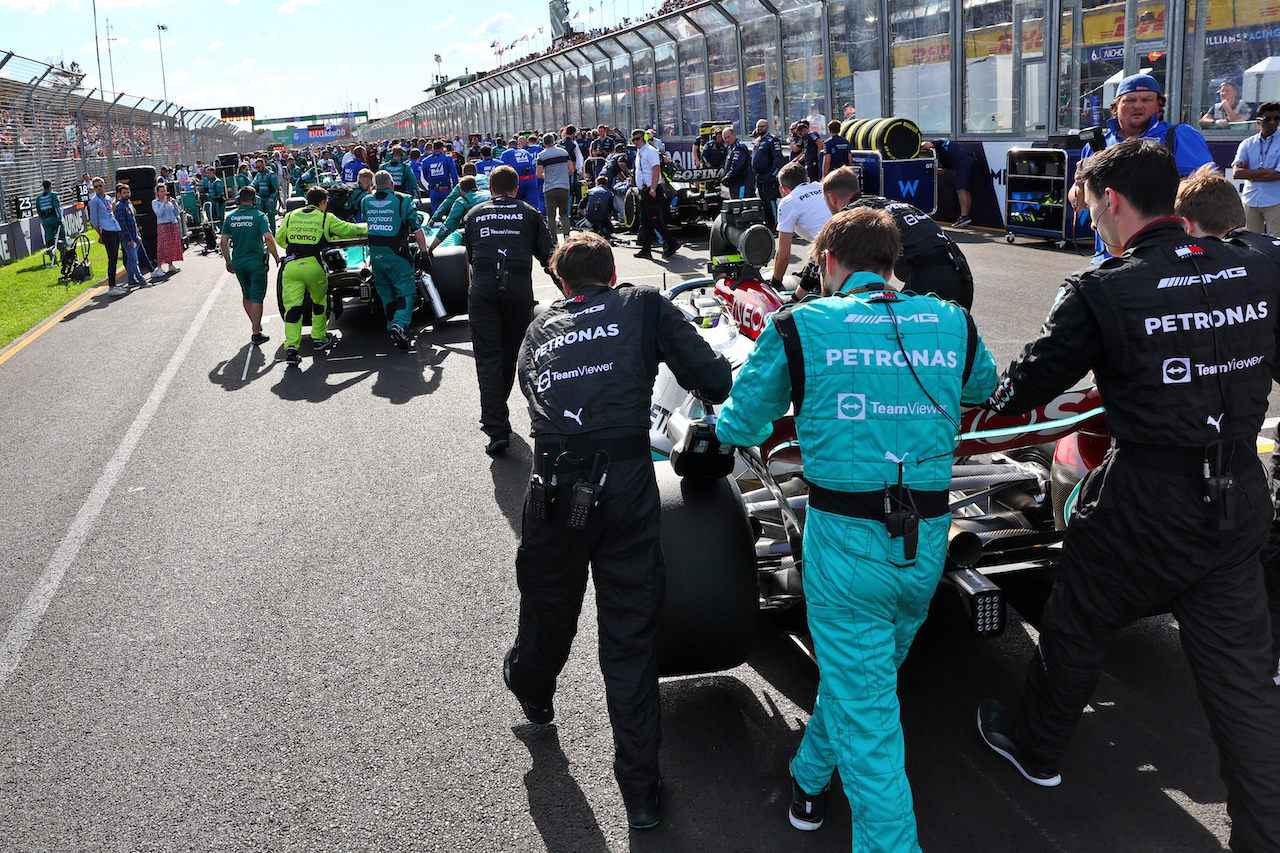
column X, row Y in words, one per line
column 802, row 211
column 1257, row 162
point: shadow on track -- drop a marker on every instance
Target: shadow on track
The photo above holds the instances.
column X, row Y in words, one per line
column 228, row 373
column 510, row 473
column 557, row 804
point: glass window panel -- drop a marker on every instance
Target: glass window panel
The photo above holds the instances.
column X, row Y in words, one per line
column 557, row 100
column 1233, row 43
column 802, row 54
column 760, row 65
column 693, row 67
column 921, row 32
column 632, row 41
column 668, row 94
column 623, row 103
column 724, row 62
column 604, row 94
column 587, row 86
column 855, row 57
column 646, row 103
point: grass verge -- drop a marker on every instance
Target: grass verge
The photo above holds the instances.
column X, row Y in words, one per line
column 30, row 291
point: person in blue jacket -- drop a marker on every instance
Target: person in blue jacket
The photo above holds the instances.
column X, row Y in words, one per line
column 526, row 167
column 739, row 178
column 835, row 150
column 877, row 417
column 440, row 174
column 486, row 163
column 1136, row 114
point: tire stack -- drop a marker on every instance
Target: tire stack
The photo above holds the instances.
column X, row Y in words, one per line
column 142, row 191
column 894, row 138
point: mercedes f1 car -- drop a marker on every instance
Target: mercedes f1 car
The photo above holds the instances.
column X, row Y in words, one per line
column 733, row 518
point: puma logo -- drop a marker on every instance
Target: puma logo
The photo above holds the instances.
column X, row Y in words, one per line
column 577, row 417
column 891, row 458
column 1216, row 423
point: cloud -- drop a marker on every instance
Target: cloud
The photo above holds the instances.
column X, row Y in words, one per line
column 215, row 46
column 291, row 6
column 202, row 63
column 241, row 66
column 34, row 7
column 463, row 49
column 446, row 22
column 492, row 26
column 178, row 77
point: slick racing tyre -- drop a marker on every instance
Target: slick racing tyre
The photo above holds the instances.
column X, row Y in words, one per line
column 709, row 613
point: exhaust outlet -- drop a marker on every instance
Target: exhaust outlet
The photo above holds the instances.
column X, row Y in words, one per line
column 964, row 548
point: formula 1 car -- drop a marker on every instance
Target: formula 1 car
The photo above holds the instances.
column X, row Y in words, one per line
column 733, row 518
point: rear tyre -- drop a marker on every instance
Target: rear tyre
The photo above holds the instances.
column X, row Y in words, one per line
column 709, row 614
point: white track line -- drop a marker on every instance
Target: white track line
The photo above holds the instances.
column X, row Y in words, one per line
column 27, row 619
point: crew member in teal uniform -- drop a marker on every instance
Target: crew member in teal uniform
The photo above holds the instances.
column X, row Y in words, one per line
column 268, row 187
column 393, row 218
column 49, row 209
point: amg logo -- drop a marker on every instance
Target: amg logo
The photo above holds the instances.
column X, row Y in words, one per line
column 1184, row 280
column 594, row 309
column 873, row 319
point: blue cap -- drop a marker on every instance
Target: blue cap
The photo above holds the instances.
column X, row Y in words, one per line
column 1138, row 83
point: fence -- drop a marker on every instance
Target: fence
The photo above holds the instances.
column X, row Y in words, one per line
column 52, row 128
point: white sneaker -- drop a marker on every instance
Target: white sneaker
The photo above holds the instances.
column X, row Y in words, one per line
column 117, row 291
column 156, row 275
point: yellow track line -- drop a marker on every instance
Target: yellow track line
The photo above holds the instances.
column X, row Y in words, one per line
column 48, row 324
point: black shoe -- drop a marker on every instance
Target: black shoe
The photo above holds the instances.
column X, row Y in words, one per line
column 993, row 725
column 644, row 253
column 806, row 811
column 539, row 715
column 497, row 445
column 645, row 814
column 292, row 356
column 323, row 344
column 399, row 338
column 671, row 248
column 258, row 339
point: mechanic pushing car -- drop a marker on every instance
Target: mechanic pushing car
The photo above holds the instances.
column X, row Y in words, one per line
column 304, row 234
column 502, row 236
column 402, row 177
column 593, row 497
column 876, row 416
column 393, row 220
column 1181, row 335
column 930, row 261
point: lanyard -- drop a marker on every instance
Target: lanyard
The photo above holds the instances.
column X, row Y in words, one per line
column 1262, row 152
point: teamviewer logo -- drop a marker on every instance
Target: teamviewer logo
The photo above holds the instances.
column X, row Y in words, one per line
column 1177, row 371
column 484, row 233
column 544, row 381
column 851, row 407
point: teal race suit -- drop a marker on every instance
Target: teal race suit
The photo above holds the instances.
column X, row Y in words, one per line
column 392, row 219
column 244, row 227
column 49, row 209
column 216, row 194
column 865, row 423
column 458, row 211
column 402, row 176
column 268, row 187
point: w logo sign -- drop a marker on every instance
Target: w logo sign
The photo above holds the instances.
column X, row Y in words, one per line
column 908, row 188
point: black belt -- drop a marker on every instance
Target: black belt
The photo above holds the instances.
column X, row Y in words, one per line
column 1183, row 461
column 870, row 505
column 619, row 448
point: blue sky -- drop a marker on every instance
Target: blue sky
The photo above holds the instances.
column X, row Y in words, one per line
column 245, row 52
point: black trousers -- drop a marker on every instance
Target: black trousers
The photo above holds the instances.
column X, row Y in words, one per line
column 111, row 242
column 651, row 219
column 767, row 191
column 1271, row 556
column 936, row 272
column 621, row 545
column 1140, row 540
column 499, row 315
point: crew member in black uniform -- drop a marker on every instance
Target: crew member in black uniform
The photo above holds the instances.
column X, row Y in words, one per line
column 738, row 176
column 714, row 152
column 766, row 161
column 1209, row 206
column 1180, row 333
column 811, row 148
column 930, row 262
column 587, row 365
column 502, row 236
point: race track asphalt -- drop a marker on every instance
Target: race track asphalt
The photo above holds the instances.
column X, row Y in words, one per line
column 257, row 609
